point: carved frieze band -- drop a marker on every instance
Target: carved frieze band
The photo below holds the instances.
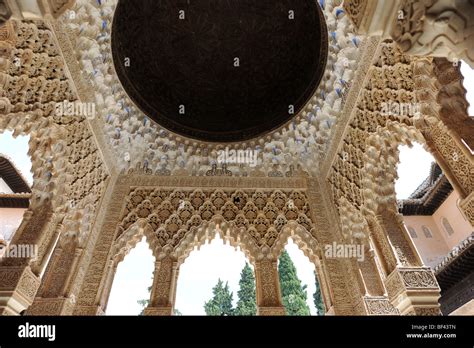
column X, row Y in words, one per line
column 403, row 279
column 380, row 306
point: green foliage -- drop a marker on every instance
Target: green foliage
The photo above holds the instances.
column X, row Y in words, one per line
column 317, row 298
column 246, row 304
column 144, row 303
column 221, row 302
column 293, row 294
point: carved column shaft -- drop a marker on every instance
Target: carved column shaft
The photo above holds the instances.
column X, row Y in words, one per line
column 452, row 101
column 382, row 245
column 95, row 263
column 405, row 250
column 370, row 274
column 107, row 284
column 376, row 302
column 54, row 296
column 268, row 288
column 445, row 167
column 457, row 165
column 459, row 169
column 18, row 281
column 322, row 278
column 444, row 109
column 163, row 291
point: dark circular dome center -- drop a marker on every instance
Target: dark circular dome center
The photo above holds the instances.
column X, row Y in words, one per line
column 219, row 70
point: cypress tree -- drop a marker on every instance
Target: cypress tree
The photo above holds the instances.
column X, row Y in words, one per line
column 317, row 298
column 246, row 304
column 292, row 292
column 221, row 302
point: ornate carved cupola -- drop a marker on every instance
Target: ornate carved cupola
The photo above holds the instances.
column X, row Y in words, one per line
column 220, row 71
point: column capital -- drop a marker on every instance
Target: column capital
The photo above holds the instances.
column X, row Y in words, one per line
column 51, row 306
column 88, row 310
column 413, row 290
column 159, row 311
column 18, row 287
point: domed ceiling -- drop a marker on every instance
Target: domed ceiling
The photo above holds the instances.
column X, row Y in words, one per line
column 220, row 71
column 134, row 144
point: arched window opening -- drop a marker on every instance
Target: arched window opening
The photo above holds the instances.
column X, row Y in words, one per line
column 412, row 232
column 468, row 74
column 132, row 282
column 427, row 231
column 299, row 284
column 413, row 170
column 15, row 184
column 217, row 279
column 447, row 226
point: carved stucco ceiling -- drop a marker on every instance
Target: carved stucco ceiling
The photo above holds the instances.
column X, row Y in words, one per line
column 220, row 71
column 138, row 142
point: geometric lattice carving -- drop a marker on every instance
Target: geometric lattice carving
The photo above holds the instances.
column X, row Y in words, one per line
column 171, row 217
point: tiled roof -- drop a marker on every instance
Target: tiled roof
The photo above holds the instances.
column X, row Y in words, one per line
column 457, row 265
column 428, row 197
column 17, row 183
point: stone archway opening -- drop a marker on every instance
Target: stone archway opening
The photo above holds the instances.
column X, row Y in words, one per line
column 413, row 168
column 304, row 284
column 16, row 180
column 202, row 271
column 468, row 82
column 130, row 291
column 426, row 200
